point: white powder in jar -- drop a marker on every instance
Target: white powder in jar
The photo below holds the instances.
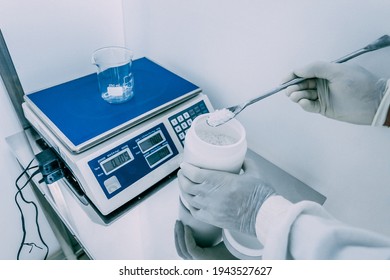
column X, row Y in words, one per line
column 216, row 139
column 219, row 117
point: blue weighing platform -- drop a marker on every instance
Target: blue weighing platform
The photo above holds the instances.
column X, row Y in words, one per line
column 75, row 112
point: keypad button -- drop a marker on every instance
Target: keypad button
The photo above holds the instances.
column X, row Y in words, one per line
column 112, row 184
column 174, row 122
column 182, row 136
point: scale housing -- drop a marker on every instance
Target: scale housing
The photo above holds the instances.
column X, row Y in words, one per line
column 118, row 163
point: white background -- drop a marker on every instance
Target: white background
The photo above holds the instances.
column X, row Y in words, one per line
column 233, row 50
column 50, row 42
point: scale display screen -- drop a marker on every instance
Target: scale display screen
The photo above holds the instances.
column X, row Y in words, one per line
column 153, row 141
column 116, row 161
column 158, row 155
column 148, row 143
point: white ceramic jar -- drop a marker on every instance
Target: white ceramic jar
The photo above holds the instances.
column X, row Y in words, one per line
column 219, row 148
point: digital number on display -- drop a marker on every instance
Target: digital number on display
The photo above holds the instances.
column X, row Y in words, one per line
column 150, row 142
column 114, row 162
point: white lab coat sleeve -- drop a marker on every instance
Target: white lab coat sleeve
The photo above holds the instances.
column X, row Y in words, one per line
column 382, row 114
column 305, row 230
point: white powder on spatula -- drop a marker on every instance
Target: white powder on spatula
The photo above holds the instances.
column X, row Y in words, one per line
column 219, row 117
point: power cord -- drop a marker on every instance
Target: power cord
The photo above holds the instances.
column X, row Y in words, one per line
column 20, row 193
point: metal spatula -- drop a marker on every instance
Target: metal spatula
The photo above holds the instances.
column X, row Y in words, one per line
column 233, row 111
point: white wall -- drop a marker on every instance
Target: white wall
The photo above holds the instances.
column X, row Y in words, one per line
column 234, row 50
column 50, row 42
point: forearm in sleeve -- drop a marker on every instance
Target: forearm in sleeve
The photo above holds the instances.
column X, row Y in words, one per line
column 382, row 116
column 306, row 231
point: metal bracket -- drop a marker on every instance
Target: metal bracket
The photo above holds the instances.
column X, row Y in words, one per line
column 11, row 82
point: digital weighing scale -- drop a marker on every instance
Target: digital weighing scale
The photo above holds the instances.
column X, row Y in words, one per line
column 116, row 152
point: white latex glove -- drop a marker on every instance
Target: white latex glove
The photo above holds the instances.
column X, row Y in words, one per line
column 343, row 92
column 187, row 248
column 223, row 199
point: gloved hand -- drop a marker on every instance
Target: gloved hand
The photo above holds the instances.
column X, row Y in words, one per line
column 223, row 199
column 343, row 92
column 187, row 248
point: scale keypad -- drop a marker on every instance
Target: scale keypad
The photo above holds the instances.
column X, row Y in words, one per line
column 182, row 121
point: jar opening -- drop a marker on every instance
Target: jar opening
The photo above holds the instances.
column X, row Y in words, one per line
column 223, row 135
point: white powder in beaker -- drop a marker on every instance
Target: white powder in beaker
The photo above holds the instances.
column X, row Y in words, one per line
column 219, row 117
column 216, row 139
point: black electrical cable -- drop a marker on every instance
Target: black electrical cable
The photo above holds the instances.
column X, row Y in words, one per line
column 21, row 211
column 36, row 218
column 19, row 207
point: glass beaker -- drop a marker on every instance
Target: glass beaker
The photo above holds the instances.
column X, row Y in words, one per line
column 114, row 73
